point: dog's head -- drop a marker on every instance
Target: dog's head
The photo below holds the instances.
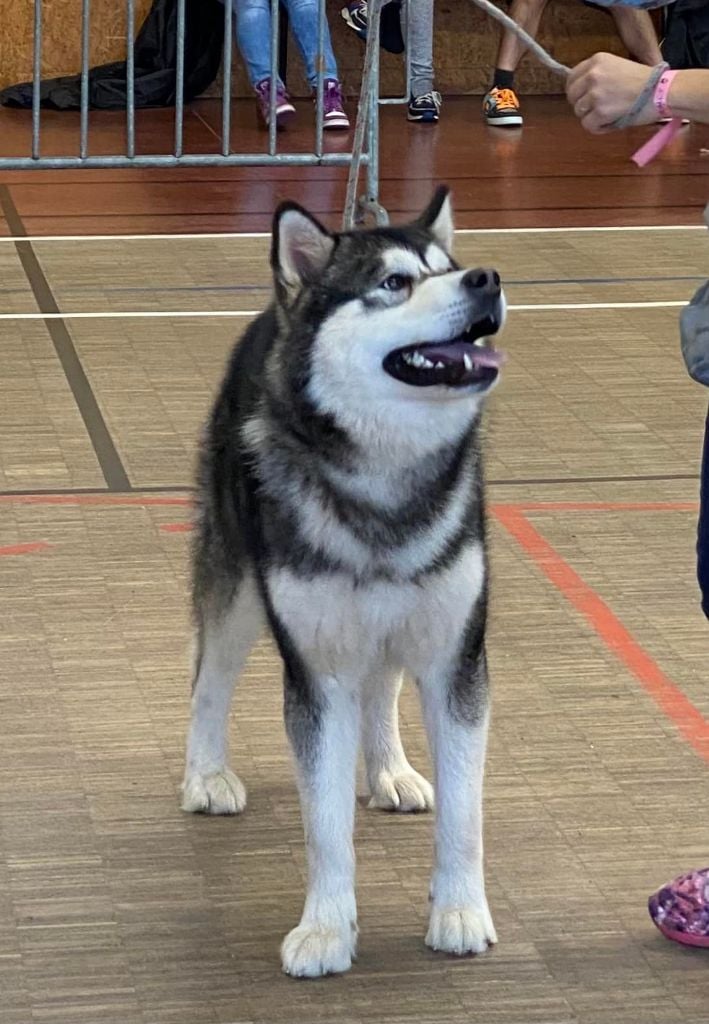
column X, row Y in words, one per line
column 382, row 322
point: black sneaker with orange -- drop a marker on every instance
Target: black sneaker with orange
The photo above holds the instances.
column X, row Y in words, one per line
column 501, row 109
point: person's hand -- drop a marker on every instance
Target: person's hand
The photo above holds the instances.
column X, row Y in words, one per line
column 603, row 88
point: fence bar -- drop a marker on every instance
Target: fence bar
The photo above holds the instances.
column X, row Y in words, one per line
column 365, row 150
column 372, row 194
column 130, row 77
column 180, row 78
column 371, row 57
column 60, row 163
column 226, row 87
column 84, row 102
column 272, row 125
column 36, row 78
column 320, row 68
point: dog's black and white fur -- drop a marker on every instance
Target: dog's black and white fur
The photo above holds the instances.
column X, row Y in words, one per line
column 340, row 502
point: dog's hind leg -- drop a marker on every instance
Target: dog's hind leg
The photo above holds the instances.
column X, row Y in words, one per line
column 224, row 640
column 393, row 783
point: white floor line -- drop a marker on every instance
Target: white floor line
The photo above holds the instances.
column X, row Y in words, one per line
column 542, row 307
column 266, row 234
column 556, row 306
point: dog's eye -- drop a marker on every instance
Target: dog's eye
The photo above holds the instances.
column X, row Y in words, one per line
column 396, row 283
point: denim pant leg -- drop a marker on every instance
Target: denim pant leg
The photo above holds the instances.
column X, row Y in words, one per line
column 253, row 36
column 303, row 15
column 421, row 35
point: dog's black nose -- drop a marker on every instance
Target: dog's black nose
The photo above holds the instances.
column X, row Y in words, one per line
column 482, row 282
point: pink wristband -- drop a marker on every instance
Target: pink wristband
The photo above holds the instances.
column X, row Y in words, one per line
column 660, row 95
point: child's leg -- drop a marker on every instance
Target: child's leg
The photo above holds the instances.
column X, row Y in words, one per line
column 637, row 32
column 303, row 16
column 421, row 42
column 703, row 526
column 253, row 36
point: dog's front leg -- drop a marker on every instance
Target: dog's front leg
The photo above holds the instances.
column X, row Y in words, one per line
column 456, row 711
column 322, row 720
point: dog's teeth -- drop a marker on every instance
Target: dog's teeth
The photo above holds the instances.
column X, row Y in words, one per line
column 426, row 363
column 408, row 357
column 479, row 342
column 417, row 359
column 468, row 362
column 440, row 366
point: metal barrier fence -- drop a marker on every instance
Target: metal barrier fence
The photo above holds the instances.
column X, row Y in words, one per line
column 365, row 147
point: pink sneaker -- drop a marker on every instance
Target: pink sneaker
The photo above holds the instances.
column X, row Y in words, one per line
column 680, row 909
column 334, row 116
column 285, row 111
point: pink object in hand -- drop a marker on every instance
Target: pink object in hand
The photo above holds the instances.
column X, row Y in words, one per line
column 668, row 131
column 658, row 141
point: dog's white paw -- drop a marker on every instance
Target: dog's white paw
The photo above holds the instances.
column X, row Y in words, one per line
column 312, row 950
column 405, row 792
column 461, row 930
column 219, row 792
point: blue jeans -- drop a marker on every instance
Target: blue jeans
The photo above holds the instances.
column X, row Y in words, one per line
column 253, row 35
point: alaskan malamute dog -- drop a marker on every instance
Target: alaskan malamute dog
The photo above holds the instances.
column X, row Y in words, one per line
column 340, row 503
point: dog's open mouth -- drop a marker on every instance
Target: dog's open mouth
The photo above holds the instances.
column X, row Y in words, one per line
column 467, row 360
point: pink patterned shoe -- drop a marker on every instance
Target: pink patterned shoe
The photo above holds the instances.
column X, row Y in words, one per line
column 334, row 116
column 285, row 111
column 680, row 909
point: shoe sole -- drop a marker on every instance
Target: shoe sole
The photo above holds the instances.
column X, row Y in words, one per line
column 686, row 939
column 427, row 118
column 350, row 24
column 337, row 124
column 509, row 121
column 283, row 118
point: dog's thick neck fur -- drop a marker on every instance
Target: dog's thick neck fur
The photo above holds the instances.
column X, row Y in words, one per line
column 353, row 473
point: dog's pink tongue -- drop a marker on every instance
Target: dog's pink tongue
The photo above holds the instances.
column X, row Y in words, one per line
column 455, row 351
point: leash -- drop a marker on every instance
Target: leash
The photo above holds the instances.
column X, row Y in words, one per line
column 657, row 142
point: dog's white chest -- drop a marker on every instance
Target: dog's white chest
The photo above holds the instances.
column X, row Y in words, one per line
column 341, row 626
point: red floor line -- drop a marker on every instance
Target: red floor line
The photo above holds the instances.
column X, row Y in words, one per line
column 666, row 695
column 175, row 527
column 24, row 549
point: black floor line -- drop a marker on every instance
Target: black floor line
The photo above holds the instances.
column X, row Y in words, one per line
column 108, row 458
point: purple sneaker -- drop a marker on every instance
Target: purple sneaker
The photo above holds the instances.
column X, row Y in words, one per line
column 284, row 108
column 334, row 116
column 680, row 909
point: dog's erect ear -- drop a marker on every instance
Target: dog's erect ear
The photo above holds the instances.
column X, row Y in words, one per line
column 301, row 247
column 437, row 218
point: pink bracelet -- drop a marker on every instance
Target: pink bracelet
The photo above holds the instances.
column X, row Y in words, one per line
column 660, row 95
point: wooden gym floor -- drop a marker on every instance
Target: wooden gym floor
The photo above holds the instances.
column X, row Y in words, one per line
column 117, row 908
